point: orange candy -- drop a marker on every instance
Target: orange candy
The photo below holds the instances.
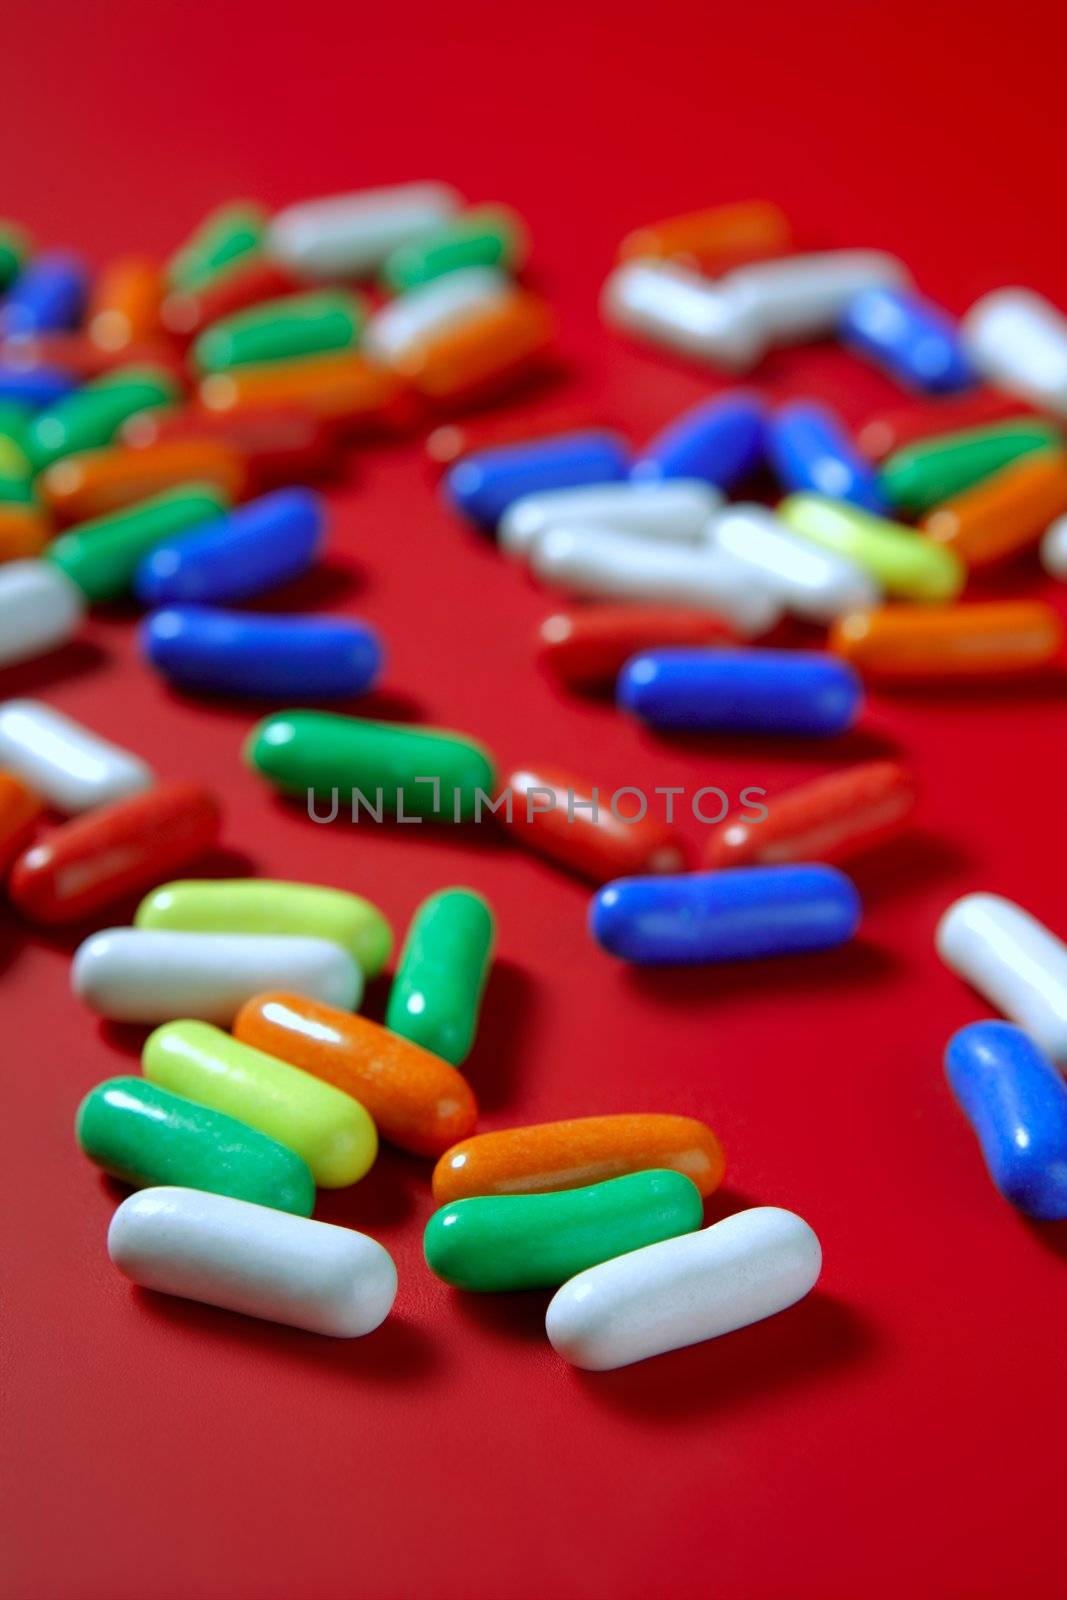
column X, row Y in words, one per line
column 987, row 639
column 1005, row 512
column 23, row 530
column 94, row 482
column 124, row 307
column 346, row 388
column 720, row 237
column 566, row 1155
column 482, row 354
column 19, row 810
column 417, row 1100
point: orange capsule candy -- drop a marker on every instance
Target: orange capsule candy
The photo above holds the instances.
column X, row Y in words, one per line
column 714, row 239
column 568, row 1155
column 587, row 648
column 347, row 389
column 19, row 810
column 482, row 354
column 416, row 1100
column 278, row 444
column 1003, row 513
column 24, row 530
column 896, row 643
column 124, row 305
column 832, row 818
column 93, row 482
column 584, row 827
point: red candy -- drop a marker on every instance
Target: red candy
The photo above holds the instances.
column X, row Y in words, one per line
column 186, row 312
column 283, row 445
column 564, row 828
column 891, row 430
column 452, row 440
column 587, row 647
column 829, row 819
column 77, row 354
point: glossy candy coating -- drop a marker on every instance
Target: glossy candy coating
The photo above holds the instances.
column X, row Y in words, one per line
column 1054, row 549
column 482, row 356
column 258, row 547
column 831, row 818
column 417, row 1101
column 343, row 388
column 721, row 441
column 887, row 431
column 913, row 340
column 23, row 531
column 123, row 306
column 15, row 247
column 433, row 310
column 984, row 639
column 1005, row 512
column 278, row 445
column 812, row 583
column 67, row 764
column 19, row 810
column 92, row 415
column 485, row 236
column 1018, row 341
column 671, row 306
column 552, row 814
column 1011, row 958
column 798, row 298
column 350, row 235
column 95, row 482
column 204, row 649
column 739, row 914
column 145, row 1135
column 441, row 974
column 40, row 609
column 932, row 470
column 49, row 293
column 550, row 1156
column 279, row 330
column 186, row 312
column 230, row 233
column 103, row 556
column 586, row 647
column 907, row 565
column 713, row 239
column 675, row 510
column 757, row 691
column 809, row 449
column 537, row 1241
column 36, row 388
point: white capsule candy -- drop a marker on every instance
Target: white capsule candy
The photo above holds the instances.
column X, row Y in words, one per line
column 620, row 566
column 1014, row 961
column 254, row 1259
column 39, row 609
column 1054, row 549
column 684, row 1290
column 803, row 297
column 156, row 975
column 675, row 510
column 434, row 308
column 70, row 767
column 816, row 584
column 678, row 309
column 348, row 235
column 1018, row 341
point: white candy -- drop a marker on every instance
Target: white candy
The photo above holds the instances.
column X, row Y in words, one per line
column 803, row 297
column 347, row 235
column 671, row 306
column 70, row 767
column 432, row 309
column 810, row 582
column 1012, row 959
column 156, row 975
column 254, row 1259
column 39, row 609
column 684, row 1290
column 675, row 509
column 1018, row 341
column 620, row 566
column 1054, row 549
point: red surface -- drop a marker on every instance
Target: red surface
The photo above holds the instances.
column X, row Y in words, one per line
column 902, row 1429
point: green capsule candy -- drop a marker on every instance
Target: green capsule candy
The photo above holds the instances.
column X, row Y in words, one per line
column 442, row 973
column 14, row 248
column 904, row 562
column 278, row 330
column 101, row 556
column 924, row 474
column 538, row 1241
column 487, row 236
column 225, row 236
column 92, row 415
column 145, row 1135
column 377, row 768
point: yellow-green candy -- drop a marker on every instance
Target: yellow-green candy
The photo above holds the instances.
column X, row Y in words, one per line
column 904, row 562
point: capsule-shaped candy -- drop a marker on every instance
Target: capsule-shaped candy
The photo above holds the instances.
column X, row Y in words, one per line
column 19, row 810
column 68, row 765
column 146, row 1135
column 417, row 1101
column 278, row 330
column 330, row 1130
column 49, row 293
column 905, row 564
column 82, row 360
column 263, row 544
column 685, row 1290
column 802, row 297
column 671, row 306
column 15, row 247
column 887, row 431
column 24, row 531
column 36, row 388
column 721, row 441
column 95, row 482
column 740, row 914
column 484, row 486
column 232, row 232
column 715, row 238
column 449, row 442
column 832, row 818
column 815, row 584
column 485, row 236
column 103, row 556
column 266, row 905
column 1004, row 513
column 1018, row 341
column 160, row 975
column 351, row 235
column 434, row 309
column 747, row 691
column 926, row 473
column 568, row 1155
column 1014, row 961
column 1016, row 1102
column 277, row 444
column 246, row 282
column 1054, row 549
column 810, row 449
column 676, row 510
column 913, row 340
column 247, row 1258
column 483, row 355
column 114, row 851
column 40, row 609
column 493, row 1243
column 988, row 639
column 344, row 389
column 123, row 307
column 585, row 648
column 273, row 657
column 442, row 973
column 92, row 415
column 596, row 832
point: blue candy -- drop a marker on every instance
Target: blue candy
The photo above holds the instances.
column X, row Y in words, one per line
column 809, row 449
column 746, row 691
column 721, row 441
column 36, row 387
column 484, row 484
column 1016, row 1102
column 259, row 546
column 278, row 658
column 732, row 915
column 916, row 342
column 48, row 296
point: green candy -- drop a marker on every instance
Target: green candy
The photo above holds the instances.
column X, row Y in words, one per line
column 14, row 422
column 906, row 564
column 443, row 969
column 14, row 248
column 225, row 236
column 102, row 556
column 488, row 236
column 538, row 1241
column 145, row 1135
column 378, row 768
column 924, row 474
column 93, row 414
column 278, row 330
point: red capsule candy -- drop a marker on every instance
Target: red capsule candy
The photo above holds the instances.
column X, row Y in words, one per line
column 19, row 810
column 587, row 647
column 453, row 440
column 829, row 819
column 76, row 354
column 551, row 812
column 891, row 430
column 279, row 446
column 114, row 851
column 186, row 312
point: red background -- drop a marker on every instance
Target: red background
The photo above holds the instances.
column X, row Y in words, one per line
column 903, row 1427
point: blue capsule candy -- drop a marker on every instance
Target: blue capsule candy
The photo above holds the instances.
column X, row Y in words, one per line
column 1016, row 1102
column 48, row 296
column 809, row 449
column 484, row 484
column 736, row 914
column 255, row 548
column 36, row 388
column 721, row 441
column 916, row 342
column 277, row 658
column 744, row 691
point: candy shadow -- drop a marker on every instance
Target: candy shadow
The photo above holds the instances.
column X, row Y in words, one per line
column 126, row 1037
column 72, row 660
column 858, row 744
column 385, row 1197
column 1051, row 1236
column 902, row 865
column 1042, row 686
column 519, row 1315
column 491, row 1067
column 856, row 963
column 326, row 584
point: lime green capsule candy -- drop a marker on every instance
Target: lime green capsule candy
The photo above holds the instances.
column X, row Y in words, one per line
column 278, row 330
column 924, row 474
column 443, row 969
column 145, row 1135
column 486, row 236
column 267, row 905
column 14, row 248
column 330, row 1130
column 93, row 414
column 377, row 768
column 101, row 556
column 226, row 235
column 538, row 1241
column 904, row 562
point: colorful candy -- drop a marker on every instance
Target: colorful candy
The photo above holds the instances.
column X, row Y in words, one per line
column 49, row 293
column 14, row 248
column 589, row 830
column 987, row 639
column 831, row 819
column 715, row 238
column 1005, row 512
column 123, row 307
column 915, row 341
column 278, row 330
column 748, row 691
column 92, row 415
column 671, row 306
column 401, row 326
column 343, row 389
column 186, row 312
column 1054, row 549
column 798, row 298
column 351, row 235
column 585, row 648
column 809, row 448
column 72, row 768
column 932, row 470
column 103, row 557
column 442, row 973
column 485, row 236
column 482, row 355
column 721, row 441
column 906, row 565
column 95, row 482
column 1014, row 961
column 277, row 444
column 40, row 609
column 891, row 430
column 19, row 810
column 36, row 388
column 23, row 531
column 231, row 233
column 276, row 657
column 1018, row 341
column 451, row 441
column 268, row 542
column 677, row 509
column 812, row 583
